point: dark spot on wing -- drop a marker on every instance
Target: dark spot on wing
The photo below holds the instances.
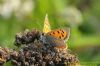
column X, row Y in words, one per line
column 53, row 32
column 62, row 31
column 58, row 31
column 50, row 34
column 60, row 37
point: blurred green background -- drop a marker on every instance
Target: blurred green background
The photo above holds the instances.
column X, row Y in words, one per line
column 82, row 16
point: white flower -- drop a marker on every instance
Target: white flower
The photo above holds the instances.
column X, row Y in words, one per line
column 6, row 10
column 17, row 7
column 15, row 4
column 72, row 15
column 25, row 8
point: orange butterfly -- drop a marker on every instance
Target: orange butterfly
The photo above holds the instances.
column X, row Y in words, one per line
column 55, row 37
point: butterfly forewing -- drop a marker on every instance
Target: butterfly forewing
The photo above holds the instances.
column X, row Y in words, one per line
column 59, row 33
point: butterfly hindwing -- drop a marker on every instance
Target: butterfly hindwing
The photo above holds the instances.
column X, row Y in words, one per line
column 56, row 42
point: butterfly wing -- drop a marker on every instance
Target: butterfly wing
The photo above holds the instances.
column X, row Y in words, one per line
column 55, row 42
column 47, row 27
column 60, row 33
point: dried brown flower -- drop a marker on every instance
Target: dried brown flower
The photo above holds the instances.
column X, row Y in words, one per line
column 34, row 52
column 4, row 55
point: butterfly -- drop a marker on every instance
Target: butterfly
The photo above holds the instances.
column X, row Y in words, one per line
column 55, row 37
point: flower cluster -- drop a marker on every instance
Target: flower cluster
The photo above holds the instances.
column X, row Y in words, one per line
column 34, row 52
